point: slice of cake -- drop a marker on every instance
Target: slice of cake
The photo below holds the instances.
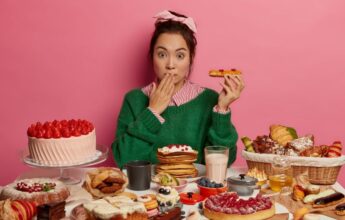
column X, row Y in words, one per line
column 51, row 211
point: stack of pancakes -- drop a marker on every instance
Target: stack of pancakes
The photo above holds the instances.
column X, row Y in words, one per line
column 177, row 160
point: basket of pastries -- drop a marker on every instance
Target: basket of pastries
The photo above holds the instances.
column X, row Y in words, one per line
column 322, row 162
column 105, row 181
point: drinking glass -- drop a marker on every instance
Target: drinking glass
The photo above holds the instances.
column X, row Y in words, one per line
column 216, row 158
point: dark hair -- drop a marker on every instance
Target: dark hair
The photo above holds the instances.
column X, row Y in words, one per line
column 171, row 26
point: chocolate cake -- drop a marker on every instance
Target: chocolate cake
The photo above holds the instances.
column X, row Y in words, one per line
column 51, row 211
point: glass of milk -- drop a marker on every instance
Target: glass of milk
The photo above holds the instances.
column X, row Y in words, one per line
column 216, row 158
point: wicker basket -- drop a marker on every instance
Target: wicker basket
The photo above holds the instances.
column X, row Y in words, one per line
column 322, row 171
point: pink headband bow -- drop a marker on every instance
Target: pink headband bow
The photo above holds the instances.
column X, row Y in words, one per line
column 166, row 15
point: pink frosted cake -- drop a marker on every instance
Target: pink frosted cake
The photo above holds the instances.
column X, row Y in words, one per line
column 62, row 142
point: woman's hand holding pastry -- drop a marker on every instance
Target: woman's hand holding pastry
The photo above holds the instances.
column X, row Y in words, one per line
column 160, row 95
column 232, row 88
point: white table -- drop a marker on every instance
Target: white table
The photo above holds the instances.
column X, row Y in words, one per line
column 79, row 195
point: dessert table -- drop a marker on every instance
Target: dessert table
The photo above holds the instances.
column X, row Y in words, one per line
column 79, row 195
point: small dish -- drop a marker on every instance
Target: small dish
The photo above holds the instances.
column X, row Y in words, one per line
column 190, row 198
column 182, row 185
column 208, row 191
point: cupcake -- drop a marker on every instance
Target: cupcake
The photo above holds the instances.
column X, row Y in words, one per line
column 167, row 198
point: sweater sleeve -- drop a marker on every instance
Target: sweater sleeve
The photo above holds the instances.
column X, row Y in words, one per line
column 135, row 134
column 222, row 132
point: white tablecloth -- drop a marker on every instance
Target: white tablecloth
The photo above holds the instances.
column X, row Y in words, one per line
column 79, row 195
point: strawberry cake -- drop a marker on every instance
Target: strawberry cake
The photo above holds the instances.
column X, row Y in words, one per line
column 37, row 190
column 228, row 206
column 62, row 143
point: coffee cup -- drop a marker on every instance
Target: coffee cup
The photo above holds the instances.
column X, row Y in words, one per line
column 139, row 174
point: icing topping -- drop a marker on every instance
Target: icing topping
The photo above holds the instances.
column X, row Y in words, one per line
column 169, row 195
column 111, row 206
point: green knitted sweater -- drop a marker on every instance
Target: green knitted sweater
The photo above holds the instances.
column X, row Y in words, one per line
column 139, row 132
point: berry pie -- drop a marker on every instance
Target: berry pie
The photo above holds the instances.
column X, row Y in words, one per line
column 228, row 206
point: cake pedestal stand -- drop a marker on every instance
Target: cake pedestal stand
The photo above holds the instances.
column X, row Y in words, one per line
column 100, row 156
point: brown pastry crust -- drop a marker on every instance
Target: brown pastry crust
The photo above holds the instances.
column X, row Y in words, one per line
column 222, row 72
column 113, row 182
column 259, row 215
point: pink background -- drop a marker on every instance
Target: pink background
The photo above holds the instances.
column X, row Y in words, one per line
column 76, row 59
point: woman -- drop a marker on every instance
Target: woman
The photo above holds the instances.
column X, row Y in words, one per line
column 172, row 110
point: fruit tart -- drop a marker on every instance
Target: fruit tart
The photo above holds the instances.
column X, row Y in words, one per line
column 228, row 206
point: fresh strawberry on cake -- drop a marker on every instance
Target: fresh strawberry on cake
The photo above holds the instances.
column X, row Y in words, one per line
column 65, row 142
column 37, row 190
column 228, row 206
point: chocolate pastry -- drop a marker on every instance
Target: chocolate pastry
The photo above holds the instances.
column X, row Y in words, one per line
column 340, row 209
column 328, row 200
column 52, row 211
column 172, row 214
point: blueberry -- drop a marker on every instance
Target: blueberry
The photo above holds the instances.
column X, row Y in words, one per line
column 221, row 185
column 164, row 191
column 169, row 203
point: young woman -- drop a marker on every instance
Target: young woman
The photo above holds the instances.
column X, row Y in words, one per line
column 173, row 110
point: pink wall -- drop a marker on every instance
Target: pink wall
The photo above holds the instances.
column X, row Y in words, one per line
column 76, row 59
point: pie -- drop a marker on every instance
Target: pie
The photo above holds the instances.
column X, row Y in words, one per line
column 228, row 206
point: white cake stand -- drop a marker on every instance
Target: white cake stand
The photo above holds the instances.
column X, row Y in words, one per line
column 100, row 156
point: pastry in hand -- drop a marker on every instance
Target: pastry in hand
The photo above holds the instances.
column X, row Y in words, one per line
column 223, row 72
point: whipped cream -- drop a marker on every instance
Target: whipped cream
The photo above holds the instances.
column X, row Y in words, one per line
column 176, row 148
column 172, row 197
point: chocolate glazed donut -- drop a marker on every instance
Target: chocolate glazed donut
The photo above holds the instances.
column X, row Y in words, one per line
column 328, row 200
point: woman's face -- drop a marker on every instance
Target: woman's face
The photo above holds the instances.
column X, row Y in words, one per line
column 171, row 55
